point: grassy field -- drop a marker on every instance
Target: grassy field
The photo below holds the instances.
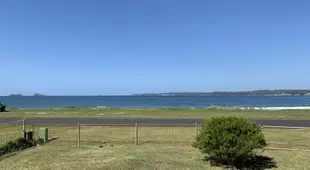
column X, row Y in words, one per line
column 156, row 113
column 160, row 148
column 61, row 156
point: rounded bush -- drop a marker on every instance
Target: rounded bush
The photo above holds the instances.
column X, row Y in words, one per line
column 229, row 139
column 2, row 107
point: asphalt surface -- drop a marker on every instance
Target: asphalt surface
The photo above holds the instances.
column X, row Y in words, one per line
column 120, row 121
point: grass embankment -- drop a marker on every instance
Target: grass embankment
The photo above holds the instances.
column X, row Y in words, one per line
column 119, row 152
column 155, row 113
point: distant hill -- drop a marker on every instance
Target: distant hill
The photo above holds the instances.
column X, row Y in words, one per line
column 234, row 93
column 16, row 95
column 37, row 94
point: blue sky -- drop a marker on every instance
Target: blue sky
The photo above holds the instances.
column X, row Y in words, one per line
column 122, row 47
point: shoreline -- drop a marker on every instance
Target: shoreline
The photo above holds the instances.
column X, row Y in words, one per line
column 180, row 113
column 211, row 107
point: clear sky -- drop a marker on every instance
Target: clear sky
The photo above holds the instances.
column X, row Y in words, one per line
column 90, row 47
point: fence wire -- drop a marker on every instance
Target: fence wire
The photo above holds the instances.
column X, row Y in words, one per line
column 293, row 138
column 166, row 133
column 277, row 137
column 126, row 133
column 10, row 131
column 107, row 133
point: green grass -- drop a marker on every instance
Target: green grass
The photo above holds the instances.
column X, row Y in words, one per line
column 155, row 113
column 160, row 148
column 59, row 155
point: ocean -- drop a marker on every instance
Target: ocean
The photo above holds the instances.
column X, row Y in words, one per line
column 154, row 101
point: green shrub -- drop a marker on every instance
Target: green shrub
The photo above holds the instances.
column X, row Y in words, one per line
column 16, row 145
column 231, row 140
column 2, row 107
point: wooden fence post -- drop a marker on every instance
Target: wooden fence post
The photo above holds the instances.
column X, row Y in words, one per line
column 78, row 134
column 24, row 128
column 196, row 129
column 137, row 134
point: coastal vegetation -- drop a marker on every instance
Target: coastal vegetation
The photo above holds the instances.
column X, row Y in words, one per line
column 2, row 107
column 230, row 141
column 235, row 93
column 16, row 145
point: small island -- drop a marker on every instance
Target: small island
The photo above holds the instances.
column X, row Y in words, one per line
column 37, row 94
column 16, row 95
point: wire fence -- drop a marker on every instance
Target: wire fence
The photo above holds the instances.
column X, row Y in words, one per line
column 83, row 134
column 119, row 133
column 10, row 131
column 287, row 138
column 278, row 137
column 137, row 133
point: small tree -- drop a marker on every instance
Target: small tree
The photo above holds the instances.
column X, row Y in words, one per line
column 229, row 140
column 2, row 107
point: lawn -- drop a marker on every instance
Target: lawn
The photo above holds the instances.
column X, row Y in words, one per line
column 58, row 155
column 159, row 148
column 156, row 113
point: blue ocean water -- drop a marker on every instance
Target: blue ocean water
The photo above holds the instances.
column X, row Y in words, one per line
column 154, row 101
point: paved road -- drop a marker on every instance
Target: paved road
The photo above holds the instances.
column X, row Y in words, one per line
column 73, row 121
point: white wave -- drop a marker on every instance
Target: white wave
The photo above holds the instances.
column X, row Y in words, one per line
column 286, row 108
column 266, row 108
column 277, row 108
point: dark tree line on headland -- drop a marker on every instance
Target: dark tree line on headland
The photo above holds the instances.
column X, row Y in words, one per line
column 234, row 93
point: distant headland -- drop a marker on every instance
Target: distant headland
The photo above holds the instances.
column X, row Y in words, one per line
column 16, row 95
column 215, row 93
column 234, row 93
column 20, row 95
